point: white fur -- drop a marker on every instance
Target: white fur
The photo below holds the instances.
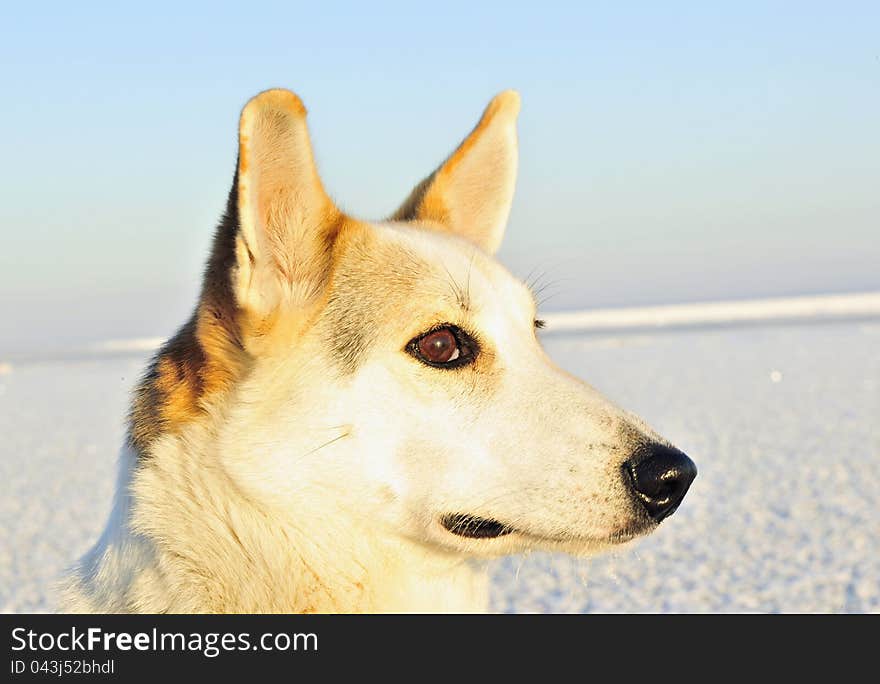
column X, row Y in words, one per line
column 291, row 524
column 309, row 488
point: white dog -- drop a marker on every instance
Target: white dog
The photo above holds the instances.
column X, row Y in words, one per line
column 357, row 410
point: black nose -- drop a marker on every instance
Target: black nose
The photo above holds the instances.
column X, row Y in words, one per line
column 660, row 476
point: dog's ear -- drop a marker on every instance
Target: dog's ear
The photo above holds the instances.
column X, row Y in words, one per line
column 287, row 223
column 471, row 192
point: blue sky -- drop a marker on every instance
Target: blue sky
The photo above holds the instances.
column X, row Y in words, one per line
column 669, row 151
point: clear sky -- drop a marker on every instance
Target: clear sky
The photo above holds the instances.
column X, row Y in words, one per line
column 669, row 151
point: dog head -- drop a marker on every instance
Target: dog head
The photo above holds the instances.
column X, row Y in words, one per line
column 391, row 370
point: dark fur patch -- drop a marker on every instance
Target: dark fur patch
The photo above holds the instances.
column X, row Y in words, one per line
column 203, row 356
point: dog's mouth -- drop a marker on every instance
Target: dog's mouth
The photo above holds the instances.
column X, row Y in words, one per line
column 474, row 527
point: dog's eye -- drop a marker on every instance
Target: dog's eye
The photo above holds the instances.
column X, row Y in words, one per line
column 443, row 347
column 439, row 346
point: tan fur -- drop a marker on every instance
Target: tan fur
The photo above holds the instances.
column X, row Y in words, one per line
column 212, row 350
column 287, row 224
column 286, row 453
column 470, row 193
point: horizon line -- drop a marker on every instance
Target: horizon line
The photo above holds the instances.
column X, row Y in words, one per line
column 610, row 320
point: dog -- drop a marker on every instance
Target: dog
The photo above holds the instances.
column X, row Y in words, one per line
column 357, row 414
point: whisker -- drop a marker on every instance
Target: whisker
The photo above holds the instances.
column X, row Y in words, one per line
column 550, row 283
column 457, row 292
column 532, row 283
column 327, row 443
column 467, row 294
column 548, row 298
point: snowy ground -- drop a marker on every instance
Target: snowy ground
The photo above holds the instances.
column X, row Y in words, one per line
column 783, row 423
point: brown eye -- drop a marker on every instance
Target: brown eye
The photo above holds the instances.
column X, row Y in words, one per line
column 445, row 347
column 439, row 346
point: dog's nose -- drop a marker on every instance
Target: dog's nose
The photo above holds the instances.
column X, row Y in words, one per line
column 660, row 476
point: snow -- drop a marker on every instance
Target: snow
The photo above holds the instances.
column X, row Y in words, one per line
column 783, row 422
column 135, row 344
column 783, row 309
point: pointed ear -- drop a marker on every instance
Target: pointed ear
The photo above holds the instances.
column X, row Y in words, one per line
column 287, row 224
column 470, row 194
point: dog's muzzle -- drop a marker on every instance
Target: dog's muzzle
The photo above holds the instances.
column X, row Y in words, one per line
column 660, row 477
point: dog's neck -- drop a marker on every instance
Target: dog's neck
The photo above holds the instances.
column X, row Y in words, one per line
column 182, row 538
